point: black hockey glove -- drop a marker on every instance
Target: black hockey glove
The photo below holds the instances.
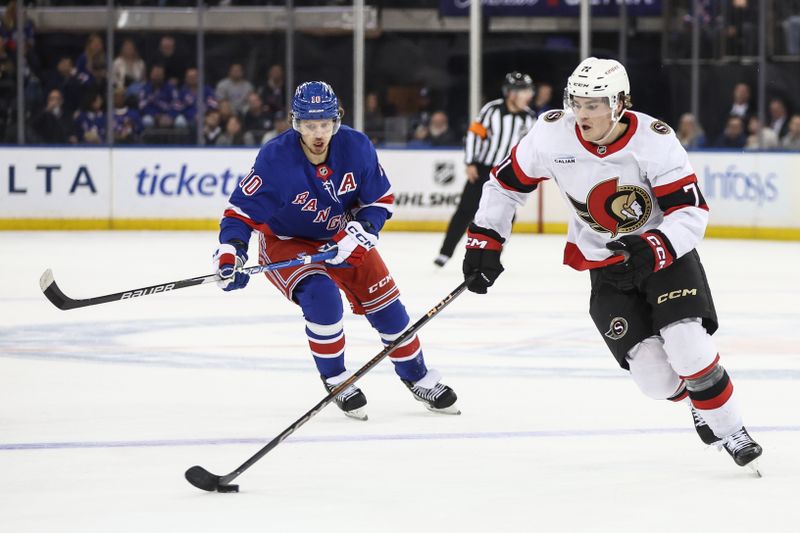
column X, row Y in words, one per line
column 482, row 260
column 644, row 254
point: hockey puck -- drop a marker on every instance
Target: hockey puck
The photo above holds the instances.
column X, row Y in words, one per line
column 228, row 488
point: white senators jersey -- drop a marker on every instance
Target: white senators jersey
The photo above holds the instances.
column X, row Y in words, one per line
column 642, row 181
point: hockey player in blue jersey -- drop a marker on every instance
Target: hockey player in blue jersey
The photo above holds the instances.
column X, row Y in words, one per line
column 319, row 186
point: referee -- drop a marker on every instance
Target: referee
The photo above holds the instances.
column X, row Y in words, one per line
column 500, row 125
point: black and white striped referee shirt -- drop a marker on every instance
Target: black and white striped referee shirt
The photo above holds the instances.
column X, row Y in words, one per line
column 497, row 130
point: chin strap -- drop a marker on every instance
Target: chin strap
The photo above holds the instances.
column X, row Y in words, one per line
column 610, row 131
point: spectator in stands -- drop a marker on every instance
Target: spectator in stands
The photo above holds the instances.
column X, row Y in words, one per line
column 257, row 121
column 53, row 125
column 127, row 122
column 791, row 32
column 65, row 79
column 741, row 101
column 90, row 122
column 760, row 138
column 235, row 88
column 734, row 135
column 155, row 99
column 779, row 117
column 281, row 124
column 189, row 95
column 91, row 65
column 7, row 65
column 226, row 111
column 8, row 36
column 742, row 16
column 437, row 132
column 689, row 133
column 419, row 123
column 791, row 141
column 373, row 118
column 273, row 93
column 174, row 63
column 234, row 135
column 128, row 67
column 211, row 127
column 542, row 100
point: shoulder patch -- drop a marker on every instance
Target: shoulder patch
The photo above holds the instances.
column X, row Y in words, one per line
column 552, row 116
column 661, row 127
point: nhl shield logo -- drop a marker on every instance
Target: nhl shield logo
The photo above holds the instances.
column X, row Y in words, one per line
column 324, row 172
column 613, row 208
column 602, row 150
column 444, row 172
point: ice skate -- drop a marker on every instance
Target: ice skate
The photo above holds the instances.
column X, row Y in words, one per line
column 705, row 433
column 743, row 449
column 436, row 396
column 351, row 400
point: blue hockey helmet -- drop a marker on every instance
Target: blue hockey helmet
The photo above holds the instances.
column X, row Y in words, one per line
column 315, row 100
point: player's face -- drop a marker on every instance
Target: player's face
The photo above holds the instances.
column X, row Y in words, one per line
column 522, row 98
column 316, row 134
column 593, row 116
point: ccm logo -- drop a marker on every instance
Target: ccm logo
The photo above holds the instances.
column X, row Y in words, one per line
column 145, row 292
column 676, row 294
column 360, row 237
column 474, row 242
column 659, row 250
column 381, row 284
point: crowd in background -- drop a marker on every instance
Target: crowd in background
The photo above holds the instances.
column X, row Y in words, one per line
column 742, row 128
column 156, row 98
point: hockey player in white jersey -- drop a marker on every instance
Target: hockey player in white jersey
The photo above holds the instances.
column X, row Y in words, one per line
column 637, row 215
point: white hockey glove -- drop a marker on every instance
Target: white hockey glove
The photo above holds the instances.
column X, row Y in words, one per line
column 352, row 244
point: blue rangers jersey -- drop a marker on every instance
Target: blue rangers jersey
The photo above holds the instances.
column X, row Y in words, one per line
column 288, row 196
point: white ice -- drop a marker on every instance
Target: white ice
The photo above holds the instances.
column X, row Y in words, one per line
column 103, row 409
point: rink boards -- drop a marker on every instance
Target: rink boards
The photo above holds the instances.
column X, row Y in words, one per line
column 751, row 194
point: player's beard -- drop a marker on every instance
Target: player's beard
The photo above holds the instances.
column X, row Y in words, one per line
column 316, row 147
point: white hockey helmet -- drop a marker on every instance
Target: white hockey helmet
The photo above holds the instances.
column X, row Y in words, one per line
column 604, row 78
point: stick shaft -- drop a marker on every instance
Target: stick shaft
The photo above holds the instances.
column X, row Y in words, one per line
column 408, row 333
column 57, row 297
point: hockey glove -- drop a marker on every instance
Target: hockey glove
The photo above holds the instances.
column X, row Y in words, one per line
column 351, row 244
column 644, row 254
column 482, row 260
column 227, row 258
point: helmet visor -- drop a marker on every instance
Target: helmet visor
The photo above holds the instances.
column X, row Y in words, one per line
column 588, row 107
column 316, row 127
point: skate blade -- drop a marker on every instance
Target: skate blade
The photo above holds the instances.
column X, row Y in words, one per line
column 452, row 410
column 358, row 414
column 754, row 468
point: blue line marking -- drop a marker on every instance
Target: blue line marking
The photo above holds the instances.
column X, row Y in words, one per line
column 490, row 435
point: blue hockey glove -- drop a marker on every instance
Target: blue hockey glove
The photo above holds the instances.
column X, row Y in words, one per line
column 227, row 258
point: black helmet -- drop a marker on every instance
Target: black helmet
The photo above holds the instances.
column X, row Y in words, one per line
column 514, row 81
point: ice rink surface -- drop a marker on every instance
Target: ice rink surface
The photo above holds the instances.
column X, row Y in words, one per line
column 103, row 409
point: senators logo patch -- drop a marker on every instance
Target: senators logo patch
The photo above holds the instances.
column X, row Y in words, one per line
column 552, row 116
column 613, row 208
column 617, row 328
column 660, row 127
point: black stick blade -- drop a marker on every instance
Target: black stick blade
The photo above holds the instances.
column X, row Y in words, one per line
column 52, row 292
column 203, row 479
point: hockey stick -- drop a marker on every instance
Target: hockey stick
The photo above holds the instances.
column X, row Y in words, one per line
column 205, row 480
column 53, row 293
